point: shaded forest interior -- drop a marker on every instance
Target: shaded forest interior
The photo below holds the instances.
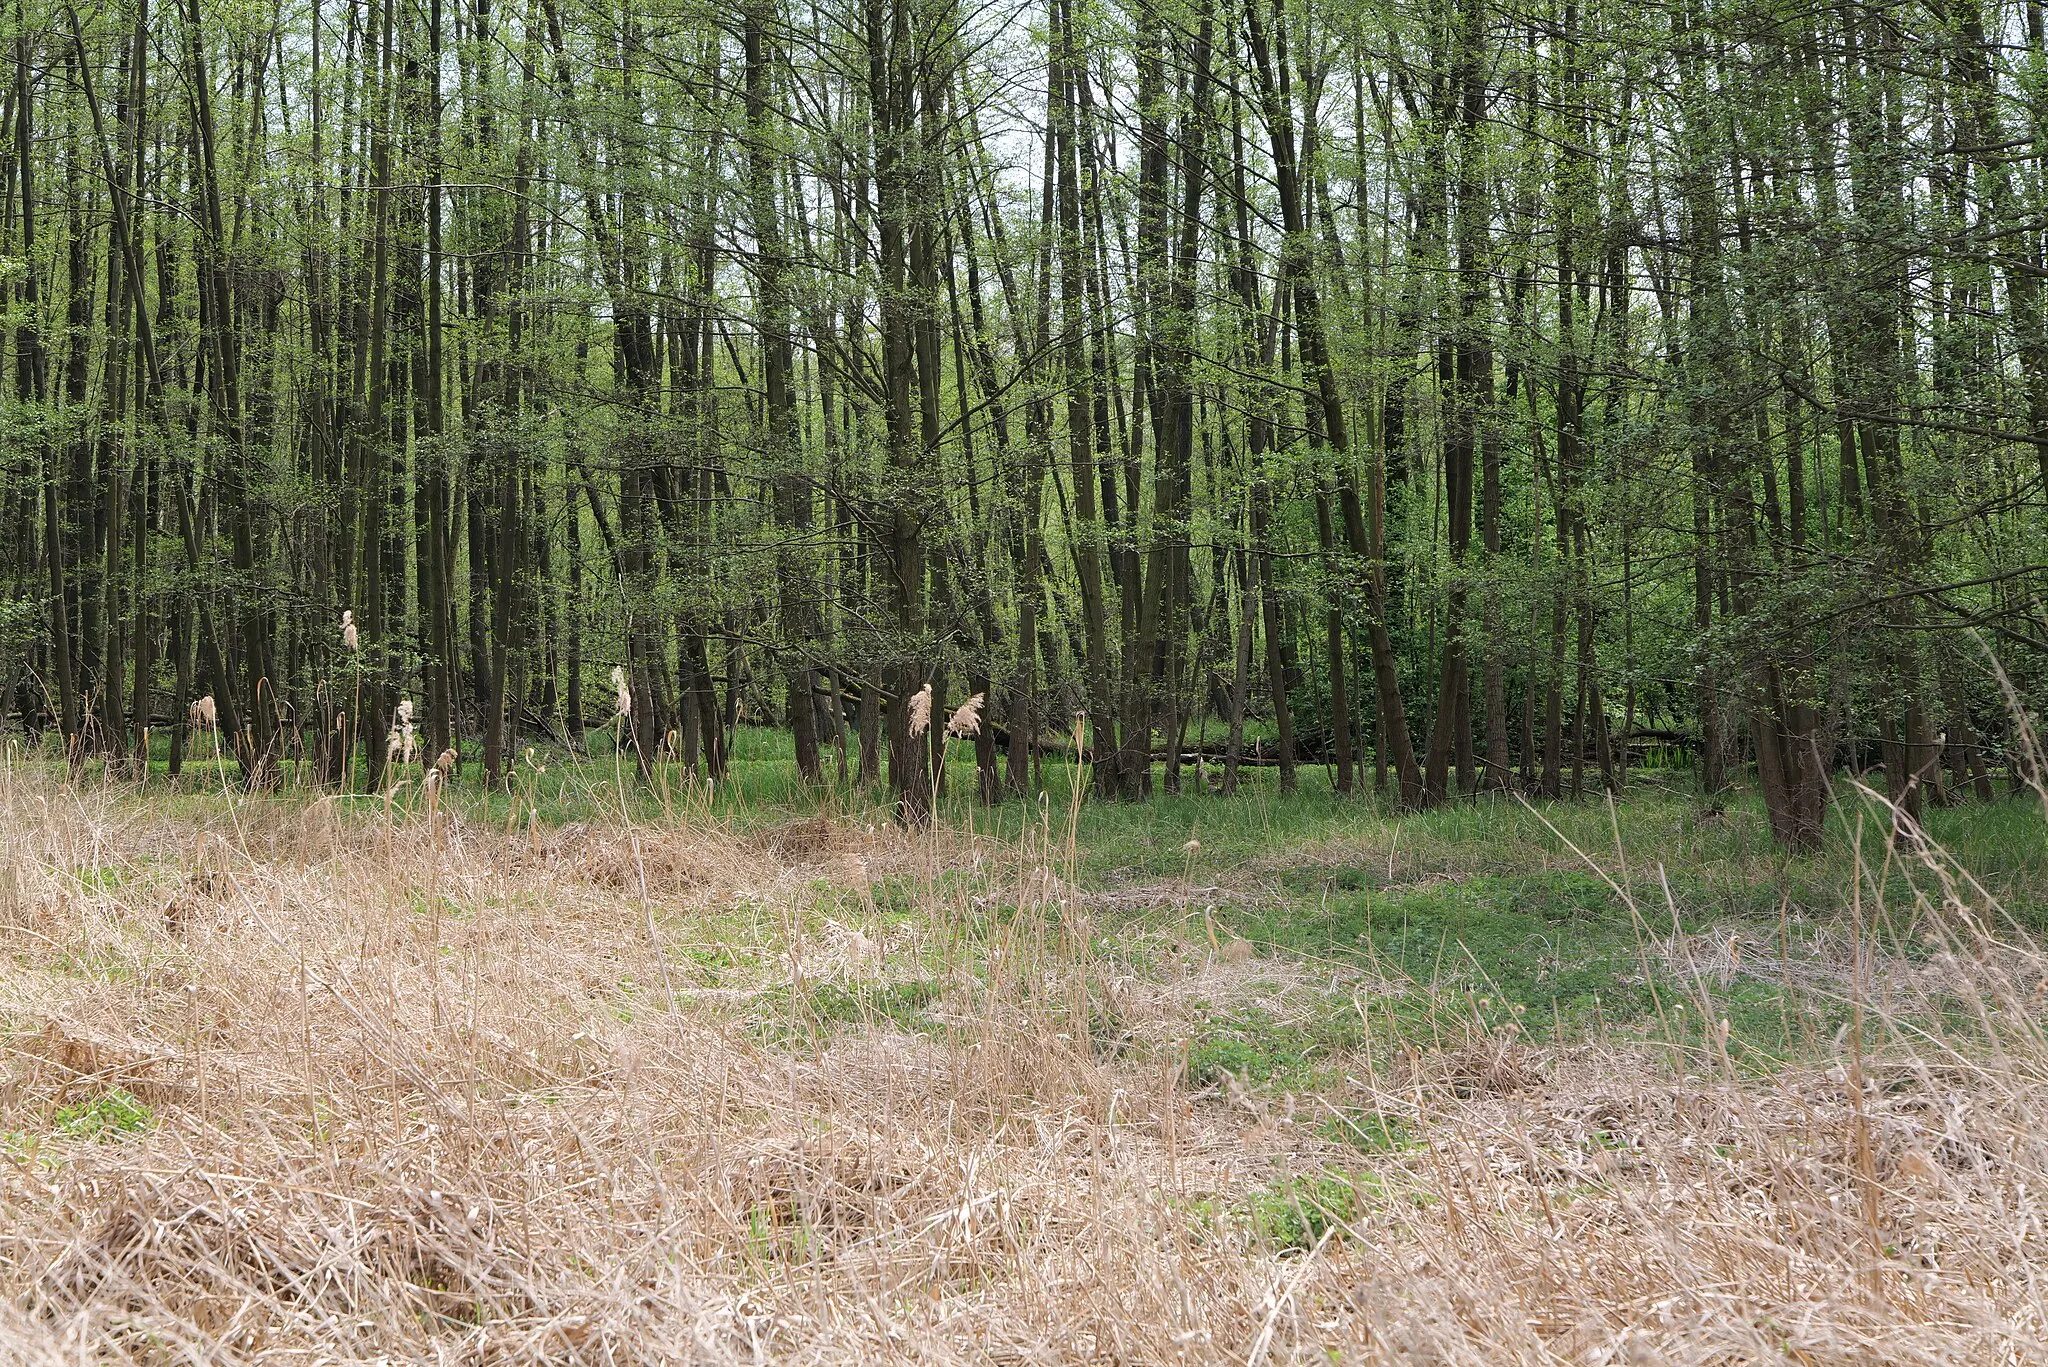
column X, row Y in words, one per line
column 1452, row 393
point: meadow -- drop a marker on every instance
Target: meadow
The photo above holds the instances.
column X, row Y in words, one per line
column 601, row 1072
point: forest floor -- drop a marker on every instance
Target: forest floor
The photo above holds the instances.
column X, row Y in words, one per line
column 597, row 1075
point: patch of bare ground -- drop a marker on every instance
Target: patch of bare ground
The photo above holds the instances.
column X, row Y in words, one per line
column 316, row 1088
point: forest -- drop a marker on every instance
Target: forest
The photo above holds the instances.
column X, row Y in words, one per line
column 1446, row 394
column 1228, row 683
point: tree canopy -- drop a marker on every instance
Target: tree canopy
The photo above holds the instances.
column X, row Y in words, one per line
column 1450, row 393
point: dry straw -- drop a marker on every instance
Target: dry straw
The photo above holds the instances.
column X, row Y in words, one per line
column 601, row 1095
column 965, row 722
column 921, row 711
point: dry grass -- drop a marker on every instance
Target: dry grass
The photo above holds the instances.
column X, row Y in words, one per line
column 460, row 1095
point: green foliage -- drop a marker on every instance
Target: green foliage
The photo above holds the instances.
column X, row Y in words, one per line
column 22, row 623
column 788, row 1015
column 1294, row 1215
column 103, row 878
column 1253, row 1047
column 109, row 1115
column 1366, row 1131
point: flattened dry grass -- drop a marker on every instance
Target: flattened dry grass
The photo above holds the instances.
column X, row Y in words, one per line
column 366, row 1089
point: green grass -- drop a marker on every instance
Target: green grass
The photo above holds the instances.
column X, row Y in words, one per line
column 109, row 1115
column 901, row 1004
column 1365, row 1131
column 1496, row 911
column 1252, row 1047
column 1660, row 821
column 1295, row 1214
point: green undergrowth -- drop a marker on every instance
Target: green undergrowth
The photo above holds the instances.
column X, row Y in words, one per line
column 109, row 1115
column 1718, row 853
column 1565, row 920
column 1252, row 1047
column 1556, row 958
column 1294, row 1215
column 902, row 1004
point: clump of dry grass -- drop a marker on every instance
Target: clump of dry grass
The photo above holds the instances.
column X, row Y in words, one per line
column 451, row 1094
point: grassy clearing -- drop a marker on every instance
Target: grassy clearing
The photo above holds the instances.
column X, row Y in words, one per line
column 595, row 1074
